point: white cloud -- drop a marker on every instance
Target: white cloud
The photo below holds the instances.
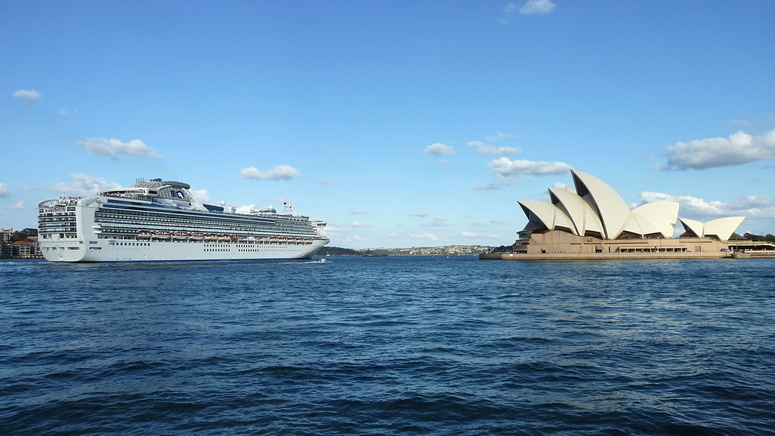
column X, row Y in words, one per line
column 748, row 206
column 533, row 7
column 280, row 172
column 731, row 123
column 424, row 236
column 439, row 149
column 83, row 185
column 419, row 214
column 332, row 230
column 27, row 95
column 475, row 235
column 114, row 147
column 484, row 187
column 67, row 111
column 505, row 169
column 738, row 149
column 488, row 149
column 497, row 221
column 18, row 205
column 357, row 211
column 500, row 136
column 437, row 222
column 357, row 224
column 200, row 195
column 322, row 181
column 338, row 150
column 4, row 191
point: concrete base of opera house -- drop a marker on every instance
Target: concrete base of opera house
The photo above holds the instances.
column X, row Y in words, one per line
column 560, row 245
column 605, row 256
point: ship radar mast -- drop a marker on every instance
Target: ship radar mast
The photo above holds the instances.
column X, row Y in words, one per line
column 289, row 209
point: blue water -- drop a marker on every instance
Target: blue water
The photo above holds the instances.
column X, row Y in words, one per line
column 391, row 345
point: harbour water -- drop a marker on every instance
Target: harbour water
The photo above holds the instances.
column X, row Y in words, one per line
column 388, row 345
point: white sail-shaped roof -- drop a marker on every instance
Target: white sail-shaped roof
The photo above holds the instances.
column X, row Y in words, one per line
column 594, row 207
column 662, row 214
column 723, row 228
column 638, row 225
column 697, row 228
column 549, row 215
column 581, row 214
column 611, row 209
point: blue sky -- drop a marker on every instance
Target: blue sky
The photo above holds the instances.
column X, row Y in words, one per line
column 400, row 123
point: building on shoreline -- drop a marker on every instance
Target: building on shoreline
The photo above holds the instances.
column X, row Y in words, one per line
column 26, row 248
column 592, row 221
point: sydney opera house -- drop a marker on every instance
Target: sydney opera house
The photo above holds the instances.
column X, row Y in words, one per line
column 593, row 221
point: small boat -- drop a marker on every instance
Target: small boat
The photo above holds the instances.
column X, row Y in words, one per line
column 161, row 235
column 196, row 237
column 181, row 236
column 143, row 235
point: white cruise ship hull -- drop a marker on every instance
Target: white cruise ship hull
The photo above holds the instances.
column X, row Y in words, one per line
column 169, row 251
column 160, row 221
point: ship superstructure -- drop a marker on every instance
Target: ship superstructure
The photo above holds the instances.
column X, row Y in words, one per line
column 161, row 221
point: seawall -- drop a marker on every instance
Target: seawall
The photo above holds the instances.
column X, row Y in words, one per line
column 606, row 256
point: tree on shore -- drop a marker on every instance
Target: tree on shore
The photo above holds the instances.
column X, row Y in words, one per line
column 768, row 237
column 22, row 235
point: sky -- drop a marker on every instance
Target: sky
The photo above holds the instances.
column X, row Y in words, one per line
column 399, row 123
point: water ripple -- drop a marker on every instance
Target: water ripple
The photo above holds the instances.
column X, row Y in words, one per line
column 398, row 345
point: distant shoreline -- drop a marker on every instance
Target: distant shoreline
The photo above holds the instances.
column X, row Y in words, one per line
column 444, row 250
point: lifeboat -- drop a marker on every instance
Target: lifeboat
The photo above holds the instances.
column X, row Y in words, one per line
column 197, row 237
column 143, row 235
column 181, row 236
column 223, row 237
column 161, row 235
column 233, row 238
column 210, row 237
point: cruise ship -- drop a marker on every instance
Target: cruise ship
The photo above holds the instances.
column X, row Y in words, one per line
column 160, row 221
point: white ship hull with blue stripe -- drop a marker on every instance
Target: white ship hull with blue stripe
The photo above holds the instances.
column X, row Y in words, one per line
column 160, row 221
